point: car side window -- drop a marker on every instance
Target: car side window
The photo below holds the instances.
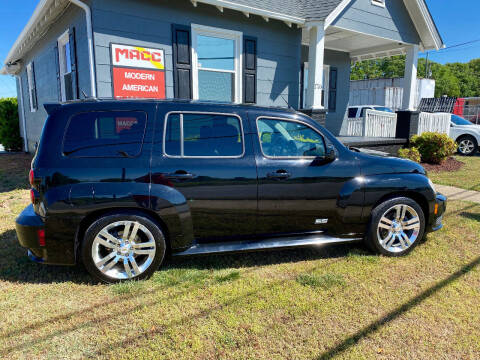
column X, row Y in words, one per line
column 352, row 112
column 290, row 139
column 105, row 134
column 172, row 136
column 203, row 135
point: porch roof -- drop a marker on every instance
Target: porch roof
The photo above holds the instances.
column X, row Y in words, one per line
column 305, row 12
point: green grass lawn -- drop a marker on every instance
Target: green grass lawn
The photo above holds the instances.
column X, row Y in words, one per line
column 313, row 303
column 466, row 178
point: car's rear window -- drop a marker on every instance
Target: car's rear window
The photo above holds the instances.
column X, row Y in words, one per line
column 352, row 112
column 105, row 134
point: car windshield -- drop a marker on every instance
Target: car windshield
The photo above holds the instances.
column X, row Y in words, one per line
column 382, row 108
column 457, row 120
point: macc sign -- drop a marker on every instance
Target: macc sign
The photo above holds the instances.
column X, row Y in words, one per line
column 138, row 72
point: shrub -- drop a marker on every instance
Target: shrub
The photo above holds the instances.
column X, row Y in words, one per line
column 434, row 148
column 410, row 154
column 9, row 125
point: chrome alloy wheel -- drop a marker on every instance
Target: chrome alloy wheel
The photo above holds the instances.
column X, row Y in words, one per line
column 398, row 228
column 123, row 249
column 466, row 146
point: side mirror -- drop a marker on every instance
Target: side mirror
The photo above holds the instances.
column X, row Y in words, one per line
column 330, row 154
column 329, row 157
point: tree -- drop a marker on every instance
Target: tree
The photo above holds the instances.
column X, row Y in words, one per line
column 393, row 67
column 466, row 77
column 9, row 125
column 446, row 82
column 377, row 69
column 452, row 79
column 368, row 69
column 475, row 68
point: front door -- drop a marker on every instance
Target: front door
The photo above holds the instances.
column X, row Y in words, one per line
column 297, row 193
column 209, row 159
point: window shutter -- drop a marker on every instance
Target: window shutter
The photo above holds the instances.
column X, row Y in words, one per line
column 73, row 62
column 33, row 95
column 332, row 95
column 302, row 86
column 30, row 104
column 57, row 66
column 249, row 70
column 182, row 61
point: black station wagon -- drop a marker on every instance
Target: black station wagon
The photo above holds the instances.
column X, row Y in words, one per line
column 118, row 185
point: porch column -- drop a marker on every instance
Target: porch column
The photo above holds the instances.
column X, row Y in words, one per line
column 410, row 86
column 316, row 52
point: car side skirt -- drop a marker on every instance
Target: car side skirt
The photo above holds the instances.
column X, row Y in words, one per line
column 264, row 244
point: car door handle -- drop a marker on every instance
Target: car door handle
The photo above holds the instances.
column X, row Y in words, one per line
column 180, row 175
column 279, row 175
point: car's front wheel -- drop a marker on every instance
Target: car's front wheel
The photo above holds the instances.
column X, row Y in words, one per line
column 396, row 227
column 121, row 247
column 467, row 145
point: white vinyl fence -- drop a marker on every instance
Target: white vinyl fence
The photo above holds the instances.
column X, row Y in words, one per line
column 354, row 127
column 387, row 92
column 380, row 124
column 374, row 124
column 434, row 122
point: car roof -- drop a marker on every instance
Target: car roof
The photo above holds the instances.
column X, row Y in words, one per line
column 359, row 106
column 109, row 101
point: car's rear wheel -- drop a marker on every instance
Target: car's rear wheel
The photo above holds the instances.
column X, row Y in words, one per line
column 121, row 247
column 467, row 145
column 396, row 227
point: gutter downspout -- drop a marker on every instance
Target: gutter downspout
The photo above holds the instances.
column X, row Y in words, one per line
column 24, row 121
column 88, row 16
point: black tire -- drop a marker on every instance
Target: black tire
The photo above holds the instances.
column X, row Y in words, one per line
column 470, row 139
column 107, row 220
column 374, row 230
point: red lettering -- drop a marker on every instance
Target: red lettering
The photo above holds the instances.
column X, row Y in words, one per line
column 119, row 52
column 157, row 57
column 138, row 83
column 146, row 55
column 135, row 54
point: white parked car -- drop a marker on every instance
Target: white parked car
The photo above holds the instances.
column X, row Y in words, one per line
column 359, row 111
column 465, row 134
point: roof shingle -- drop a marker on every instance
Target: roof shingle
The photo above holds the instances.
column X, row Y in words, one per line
column 305, row 9
column 318, row 9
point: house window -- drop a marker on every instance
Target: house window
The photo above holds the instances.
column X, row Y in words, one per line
column 32, row 88
column 216, row 64
column 65, row 67
column 379, row 3
column 332, row 89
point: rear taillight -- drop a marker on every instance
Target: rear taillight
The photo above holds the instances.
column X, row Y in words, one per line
column 41, row 237
column 33, row 191
column 31, row 177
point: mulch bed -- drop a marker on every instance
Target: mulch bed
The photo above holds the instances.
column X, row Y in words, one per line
column 451, row 164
